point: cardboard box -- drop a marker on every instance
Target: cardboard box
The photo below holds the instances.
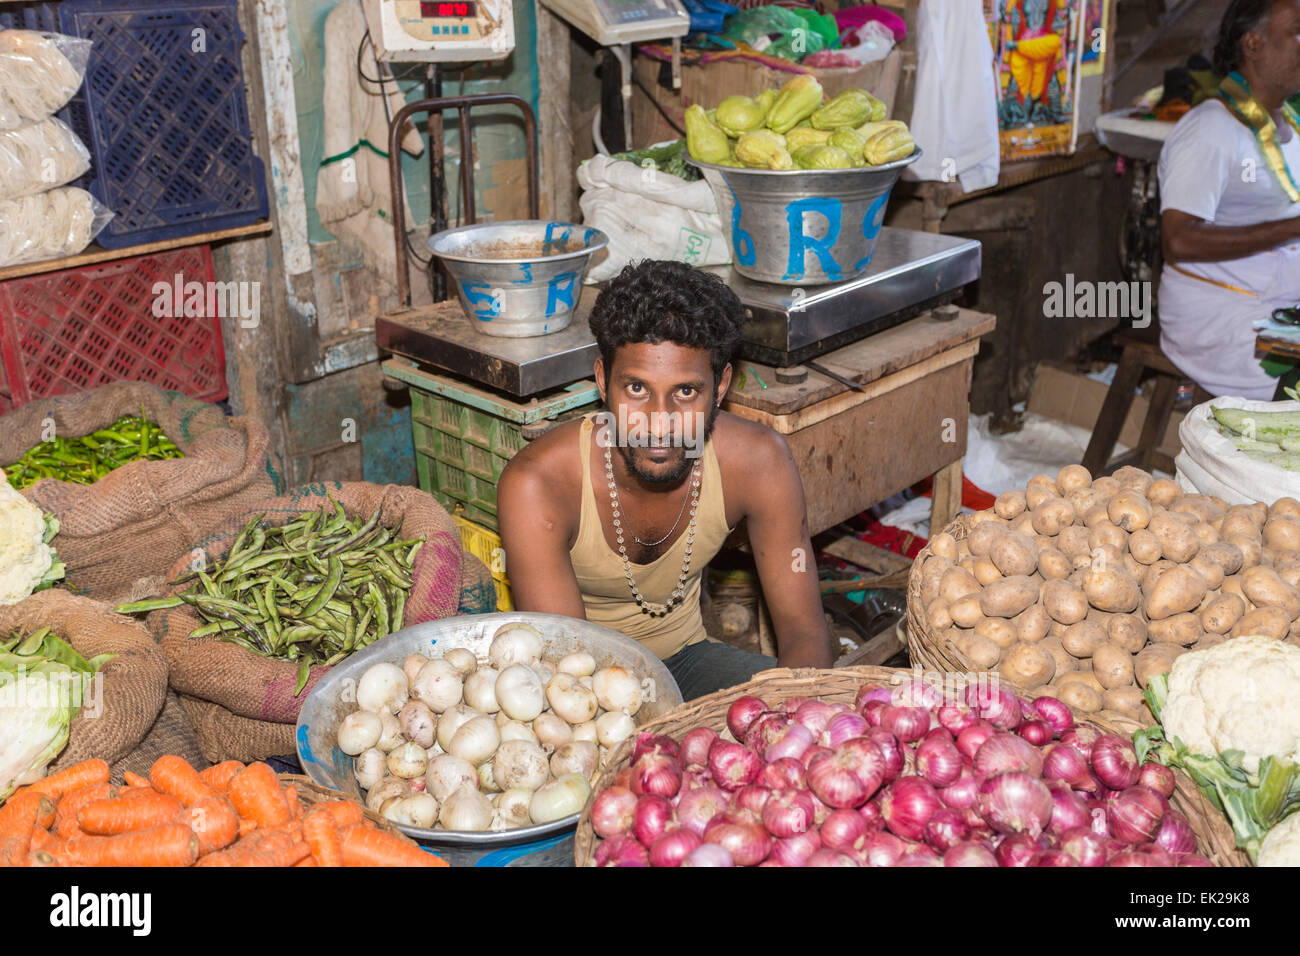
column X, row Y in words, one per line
column 1073, row 398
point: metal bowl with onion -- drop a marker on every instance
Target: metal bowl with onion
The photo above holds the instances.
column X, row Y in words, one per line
column 802, row 226
column 540, row 844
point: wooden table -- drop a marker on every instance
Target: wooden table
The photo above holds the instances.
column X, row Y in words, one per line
column 855, row 448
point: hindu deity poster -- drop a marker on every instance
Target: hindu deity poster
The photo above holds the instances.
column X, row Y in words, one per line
column 1039, row 45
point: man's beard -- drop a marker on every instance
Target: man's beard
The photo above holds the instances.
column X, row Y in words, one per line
column 679, row 466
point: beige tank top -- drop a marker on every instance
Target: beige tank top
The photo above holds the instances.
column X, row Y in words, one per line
column 605, row 593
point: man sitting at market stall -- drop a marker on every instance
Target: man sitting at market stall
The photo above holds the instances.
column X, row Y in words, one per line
column 619, row 530
column 1230, row 201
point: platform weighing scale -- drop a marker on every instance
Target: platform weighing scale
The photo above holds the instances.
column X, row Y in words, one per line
column 911, row 272
column 618, row 24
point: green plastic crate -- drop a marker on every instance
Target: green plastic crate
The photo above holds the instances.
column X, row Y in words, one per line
column 464, row 437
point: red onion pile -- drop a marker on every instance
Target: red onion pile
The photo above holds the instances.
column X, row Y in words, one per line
column 899, row 779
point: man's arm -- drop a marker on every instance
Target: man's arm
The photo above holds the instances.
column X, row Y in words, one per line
column 536, row 541
column 777, row 520
column 1186, row 238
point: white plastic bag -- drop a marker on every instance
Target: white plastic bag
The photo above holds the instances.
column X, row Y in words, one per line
column 1210, row 464
column 648, row 215
column 39, row 73
column 39, row 156
column 58, row 222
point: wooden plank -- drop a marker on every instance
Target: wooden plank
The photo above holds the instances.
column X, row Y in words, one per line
column 877, row 650
column 862, row 456
column 946, row 500
column 864, row 361
column 555, row 138
column 96, row 254
column 848, row 399
column 867, row 555
column 288, row 194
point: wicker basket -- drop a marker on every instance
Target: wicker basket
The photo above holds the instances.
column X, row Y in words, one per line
column 925, row 649
column 311, row 793
column 1213, row 836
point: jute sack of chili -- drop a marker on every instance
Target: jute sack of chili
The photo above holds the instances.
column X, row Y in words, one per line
column 445, row 580
column 128, row 692
column 133, row 523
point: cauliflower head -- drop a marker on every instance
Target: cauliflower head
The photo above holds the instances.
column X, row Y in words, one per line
column 26, row 559
column 1282, row 845
column 1238, row 695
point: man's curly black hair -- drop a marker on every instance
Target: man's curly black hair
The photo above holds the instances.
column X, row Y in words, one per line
column 658, row 300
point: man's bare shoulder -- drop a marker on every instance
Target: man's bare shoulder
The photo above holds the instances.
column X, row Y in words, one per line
column 742, row 444
column 547, row 466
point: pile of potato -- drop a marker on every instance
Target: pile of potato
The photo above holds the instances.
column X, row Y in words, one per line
column 1084, row 589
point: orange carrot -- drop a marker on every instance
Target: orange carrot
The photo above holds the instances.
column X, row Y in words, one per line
column 256, row 794
column 25, row 809
column 16, row 838
column 218, row 777
column 84, row 774
column 173, row 776
column 134, row 779
column 65, row 820
column 279, row 856
column 307, row 861
column 169, row 845
column 291, row 798
column 364, row 847
column 42, row 858
column 213, row 821
column 344, row 812
column 321, row 834
column 110, row 817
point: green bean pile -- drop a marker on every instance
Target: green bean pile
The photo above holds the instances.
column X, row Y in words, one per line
column 85, row 460
column 313, row 591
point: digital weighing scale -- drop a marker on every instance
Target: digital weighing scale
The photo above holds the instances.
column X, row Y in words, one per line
column 440, row 31
column 910, row 273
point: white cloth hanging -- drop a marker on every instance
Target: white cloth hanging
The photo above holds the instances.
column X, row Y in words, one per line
column 955, row 108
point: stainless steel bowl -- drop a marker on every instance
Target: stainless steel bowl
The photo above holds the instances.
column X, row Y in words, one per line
column 518, row 278
column 802, row 226
column 327, row 705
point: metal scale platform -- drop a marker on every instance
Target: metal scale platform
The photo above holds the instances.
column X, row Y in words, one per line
column 911, row 273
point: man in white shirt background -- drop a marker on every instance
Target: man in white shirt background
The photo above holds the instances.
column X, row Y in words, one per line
column 1230, row 204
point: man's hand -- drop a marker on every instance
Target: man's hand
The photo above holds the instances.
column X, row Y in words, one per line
column 1186, row 238
column 777, row 521
column 536, row 541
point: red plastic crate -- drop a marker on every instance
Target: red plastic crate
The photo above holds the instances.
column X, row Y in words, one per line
column 68, row 331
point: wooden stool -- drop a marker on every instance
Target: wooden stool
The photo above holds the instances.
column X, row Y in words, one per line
column 1141, row 355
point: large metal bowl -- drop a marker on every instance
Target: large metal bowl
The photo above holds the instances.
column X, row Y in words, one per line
column 802, row 226
column 541, row 844
column 518, row 278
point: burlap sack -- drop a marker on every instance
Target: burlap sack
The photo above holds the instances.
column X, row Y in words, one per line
column 447, row 581
column 129, row 689
column 136, row 521
column 172, row 733
column 226, row 736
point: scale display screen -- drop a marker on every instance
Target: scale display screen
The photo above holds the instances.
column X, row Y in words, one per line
column 448, row 8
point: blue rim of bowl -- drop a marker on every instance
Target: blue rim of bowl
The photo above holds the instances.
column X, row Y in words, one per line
column 601, row 242
column 747, row 170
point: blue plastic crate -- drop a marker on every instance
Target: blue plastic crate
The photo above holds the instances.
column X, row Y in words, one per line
column 167, row 127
